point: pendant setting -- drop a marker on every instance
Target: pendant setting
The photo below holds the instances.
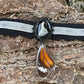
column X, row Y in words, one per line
column 44, row 62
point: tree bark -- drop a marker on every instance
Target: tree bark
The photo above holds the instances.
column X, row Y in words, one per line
column 18, row 54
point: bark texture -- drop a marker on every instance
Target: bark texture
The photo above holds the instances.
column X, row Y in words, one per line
column 18, row 54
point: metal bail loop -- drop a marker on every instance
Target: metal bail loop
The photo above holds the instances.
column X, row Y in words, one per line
column 43, row 29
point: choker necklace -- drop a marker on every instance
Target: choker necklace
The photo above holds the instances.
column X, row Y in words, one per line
column 42, row 30
column 66, row 31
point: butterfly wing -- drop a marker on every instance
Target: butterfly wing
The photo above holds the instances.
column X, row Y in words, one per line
column 44, row 63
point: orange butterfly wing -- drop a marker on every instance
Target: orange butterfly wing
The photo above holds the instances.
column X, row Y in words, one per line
column 45, row 58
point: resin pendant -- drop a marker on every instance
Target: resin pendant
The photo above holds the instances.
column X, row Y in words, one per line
column 44, row 62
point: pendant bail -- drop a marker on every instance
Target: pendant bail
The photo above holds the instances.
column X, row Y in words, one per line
column 43, row 29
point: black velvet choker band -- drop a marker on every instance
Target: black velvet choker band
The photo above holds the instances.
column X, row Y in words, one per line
column 29, row 29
